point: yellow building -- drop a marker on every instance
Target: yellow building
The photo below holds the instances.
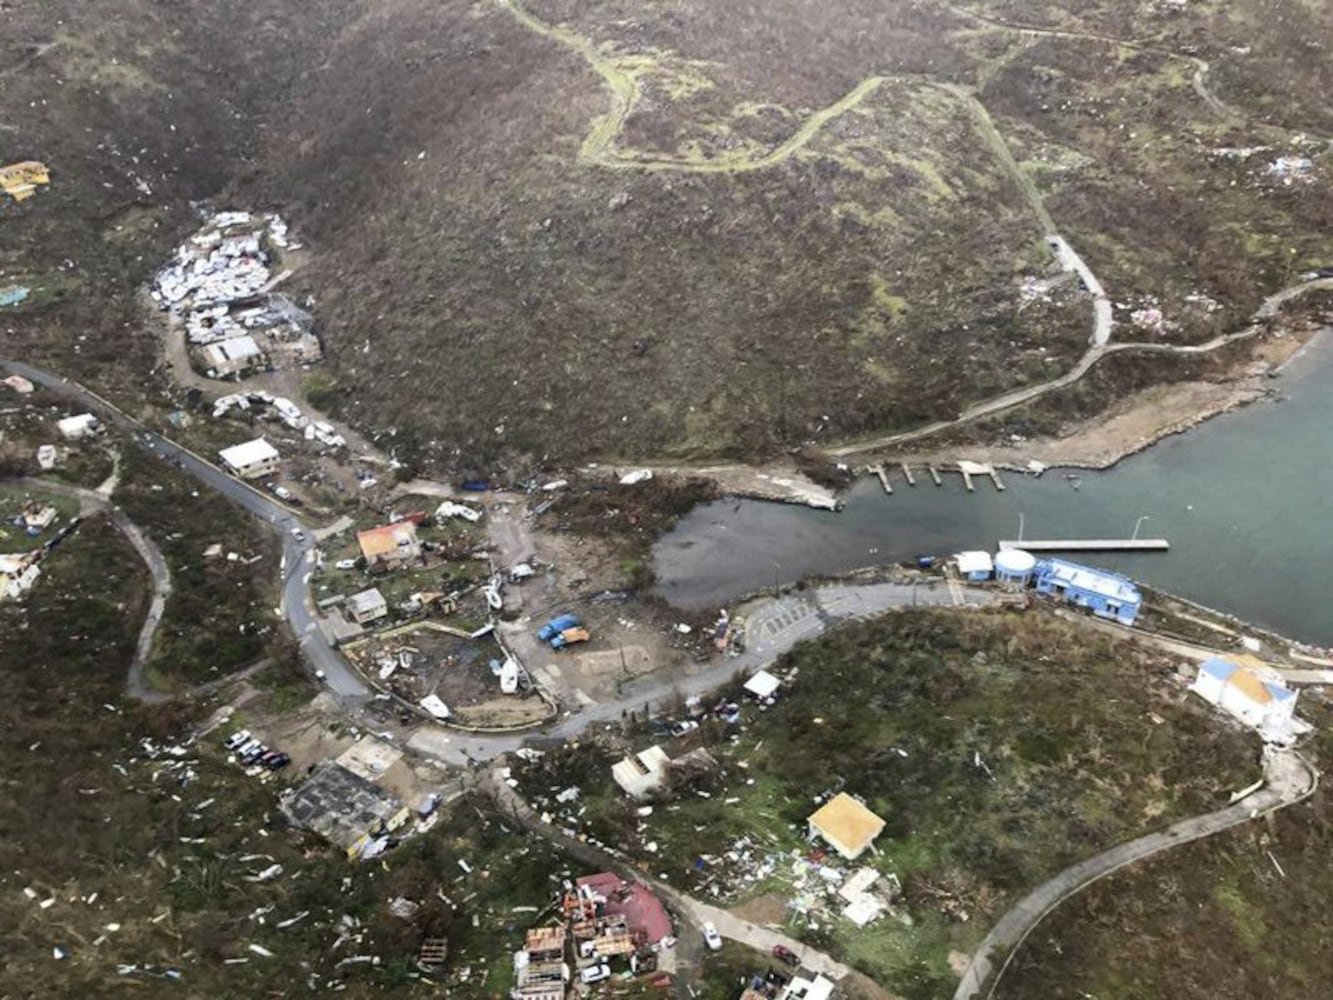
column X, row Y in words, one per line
column 845, row 825
column 21, row 180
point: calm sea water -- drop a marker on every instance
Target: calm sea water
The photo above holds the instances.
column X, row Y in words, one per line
column 1244, row 500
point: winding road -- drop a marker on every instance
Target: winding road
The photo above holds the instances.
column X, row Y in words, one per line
column 298, row 553
column 1288, row 779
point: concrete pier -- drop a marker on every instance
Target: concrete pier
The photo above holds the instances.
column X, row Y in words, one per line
column 1088, row 545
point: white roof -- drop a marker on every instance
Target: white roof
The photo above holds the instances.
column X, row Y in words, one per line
column 237, row 348
column 239, row 456
column 366, row 600
column 973, row 562
column 1092, row 579
column 77, row 423
column 762, row 684
column 1015, row 561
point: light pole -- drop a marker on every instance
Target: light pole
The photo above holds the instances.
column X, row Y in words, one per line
column 1020, row 525
column 1137, row 524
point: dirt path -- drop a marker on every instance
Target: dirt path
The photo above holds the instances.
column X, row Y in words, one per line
column 1288, row 779
column 600, row 144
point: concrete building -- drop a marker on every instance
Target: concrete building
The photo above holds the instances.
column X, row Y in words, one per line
column 846, row 825
column 1254, row 695
column 367, row 606
column 78, row 427
column 251, row 460
column 973, row 566
column 1014, row 567
column 390, row 545
column 642, row 773
column 343, row 808
column 18, row 572
column 1106, row 594
column 232, row 356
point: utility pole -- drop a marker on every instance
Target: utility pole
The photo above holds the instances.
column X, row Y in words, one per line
column 1138, row 524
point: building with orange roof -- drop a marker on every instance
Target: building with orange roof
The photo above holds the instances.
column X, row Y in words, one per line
column 1253, row 694
column 846, row 825
column 389, row 545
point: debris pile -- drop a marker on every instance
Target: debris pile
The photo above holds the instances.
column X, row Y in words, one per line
column 21, row 180
column 219, row 283
column 283, row 409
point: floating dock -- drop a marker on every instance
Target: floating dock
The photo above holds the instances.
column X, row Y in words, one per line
column 1088, row 545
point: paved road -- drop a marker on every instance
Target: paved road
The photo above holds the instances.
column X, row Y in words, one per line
column 1288, row 780
column 693, row 912
column 92, row 500
column 772, row 629
column 297, row 553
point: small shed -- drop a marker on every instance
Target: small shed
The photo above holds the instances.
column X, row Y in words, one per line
column 763, row 685
column 974, row 566
column 846, row 825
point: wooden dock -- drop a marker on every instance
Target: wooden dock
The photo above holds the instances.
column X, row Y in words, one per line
column 967, row 479
column 907, row 473
column 935, row 475
column 1088, row 545
column 883, row 475
column 995, row 478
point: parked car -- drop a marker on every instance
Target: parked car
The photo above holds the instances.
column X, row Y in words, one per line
column 282, row 493
column 298, row 534
column 277, row 761
column 253, row 754
column 244, row 748
column 785, row 954
column 346, row 564
column 711, row 937
column 595, row 973
column 236, row 739
column 681, row 728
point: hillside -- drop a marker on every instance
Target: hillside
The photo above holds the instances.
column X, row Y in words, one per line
column 561, row 230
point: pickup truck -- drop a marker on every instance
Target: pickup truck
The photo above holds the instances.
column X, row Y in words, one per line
column 557, row 625
column 569, row 637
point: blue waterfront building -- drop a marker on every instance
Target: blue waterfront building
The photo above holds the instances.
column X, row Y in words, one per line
column 1107, row 594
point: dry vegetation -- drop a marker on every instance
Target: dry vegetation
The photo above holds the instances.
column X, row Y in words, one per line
column 567, row 229
column 1235, row 917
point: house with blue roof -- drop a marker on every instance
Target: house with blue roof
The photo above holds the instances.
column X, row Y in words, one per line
column 1106, row 594
column 1253, row 694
